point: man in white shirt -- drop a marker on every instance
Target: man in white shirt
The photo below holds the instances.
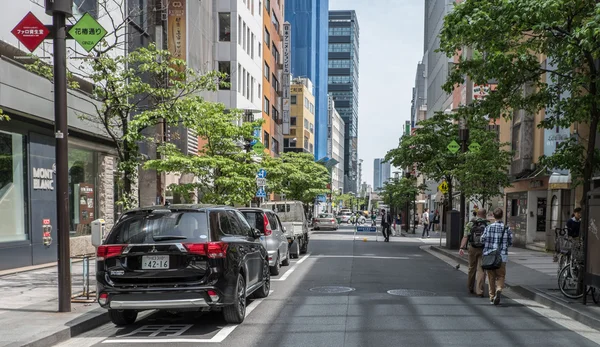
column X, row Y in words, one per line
column 425, row 219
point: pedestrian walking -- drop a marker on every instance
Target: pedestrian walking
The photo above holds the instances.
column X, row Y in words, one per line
column 472, row 238
column 425, row 223
column 574, row 223
column 373, row 219
column 386, row 222
column 497, row 237
column 436, row 220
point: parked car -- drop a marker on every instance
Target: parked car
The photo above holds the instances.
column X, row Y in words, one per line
column 294, row 220
column 181, row 257
column 275, row 240
column 326, row 221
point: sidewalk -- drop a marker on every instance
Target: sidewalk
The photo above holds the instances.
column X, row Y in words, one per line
column 29, row 305
column 533, row 274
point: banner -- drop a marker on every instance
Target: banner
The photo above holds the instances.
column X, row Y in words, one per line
column 176, row 29
column 287, row 71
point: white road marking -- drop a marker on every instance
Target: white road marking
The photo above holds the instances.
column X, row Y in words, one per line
column 360, row 256
column 292, row 269
column 219, row 337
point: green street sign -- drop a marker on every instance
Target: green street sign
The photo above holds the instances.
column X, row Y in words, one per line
column 474, row 147
column 258, row 148
column 453, row 147
column 87, row 32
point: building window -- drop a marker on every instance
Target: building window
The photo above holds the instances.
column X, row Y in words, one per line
column 340, row 47
column 275, row 21
column 259, row 49
column 293, row 121
column 268, row 5
column 293, row 143
column 252, row 47
column 312, row 127
column 259, row 90
column 311, row 148
column 267, row 106
column 245, row 30
column 306, row 143
column 305, row 102
column 267, row 38
column 252, row 90
column 293, row 99
column 275, row 82
column 267, row 71
column 306, row 124
column 274, row 146
column 13, row 187
column 248, row 43
column 225, row 27
column 225, row 67
column 286, row 143
column 266, row 139
column 243, row 86
column 275, row 114
column 248, row 85
column 240, row 30
column 275, row 53
column 293, row 132
column 83, row 172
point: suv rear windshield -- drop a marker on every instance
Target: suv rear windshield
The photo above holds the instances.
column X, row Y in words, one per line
column 188, row 226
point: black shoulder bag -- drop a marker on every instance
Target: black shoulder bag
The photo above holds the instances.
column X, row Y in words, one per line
column 493, row 261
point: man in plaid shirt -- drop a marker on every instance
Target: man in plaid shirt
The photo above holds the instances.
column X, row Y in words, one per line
column 492, row 239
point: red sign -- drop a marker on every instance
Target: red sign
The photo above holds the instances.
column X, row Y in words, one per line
column 30, row 31
column 46, row 221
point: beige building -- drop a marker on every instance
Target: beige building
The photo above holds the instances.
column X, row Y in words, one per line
column 302, row 118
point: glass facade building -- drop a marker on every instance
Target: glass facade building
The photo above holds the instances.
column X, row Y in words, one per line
column 343, row 76
column 309, row 21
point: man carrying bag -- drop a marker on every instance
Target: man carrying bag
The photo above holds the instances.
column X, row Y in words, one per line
column 496, row 239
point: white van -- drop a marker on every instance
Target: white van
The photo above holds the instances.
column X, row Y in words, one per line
column 294, row 220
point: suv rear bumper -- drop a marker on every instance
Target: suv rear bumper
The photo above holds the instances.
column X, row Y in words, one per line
column 121, row 304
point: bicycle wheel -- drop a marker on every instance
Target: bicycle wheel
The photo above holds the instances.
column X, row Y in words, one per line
column 568, row 284
column 563, row 260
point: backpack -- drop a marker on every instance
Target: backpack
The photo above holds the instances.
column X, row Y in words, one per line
column 476, row 232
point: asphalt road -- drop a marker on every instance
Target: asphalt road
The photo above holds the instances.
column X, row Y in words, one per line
column 433, row 307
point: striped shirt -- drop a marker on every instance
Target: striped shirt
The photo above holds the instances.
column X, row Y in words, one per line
column 491, row 239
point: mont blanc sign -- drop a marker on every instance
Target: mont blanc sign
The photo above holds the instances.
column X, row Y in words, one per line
column 43, row 179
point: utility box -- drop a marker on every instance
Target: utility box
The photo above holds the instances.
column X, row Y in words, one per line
column 98, row 232
column 64, row 6
column 453, row 229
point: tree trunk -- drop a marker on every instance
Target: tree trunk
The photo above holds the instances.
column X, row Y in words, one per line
column 449, row 180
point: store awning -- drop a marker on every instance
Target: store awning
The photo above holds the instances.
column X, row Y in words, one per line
column 421, row 202
column 559, row 181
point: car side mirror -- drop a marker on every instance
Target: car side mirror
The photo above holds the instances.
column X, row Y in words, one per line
column 257, row 233
column 284, row 229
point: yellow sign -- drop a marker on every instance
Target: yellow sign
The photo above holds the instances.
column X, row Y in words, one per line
column 443, row 187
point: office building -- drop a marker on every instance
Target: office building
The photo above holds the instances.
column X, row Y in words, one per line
column 308, row 19
column 335, row 146
column 382, row 172
column 302, row 118
column 343, row 86
column 272, row 130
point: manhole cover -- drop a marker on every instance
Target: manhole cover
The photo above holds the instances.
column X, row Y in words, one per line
column 410, row 292
column 331, row 289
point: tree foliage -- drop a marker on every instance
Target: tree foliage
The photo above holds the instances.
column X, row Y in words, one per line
column 544, row 55
column 224, row 171
column 135, row 92
column 298, row 176
column 479, row 175
column 399, row 191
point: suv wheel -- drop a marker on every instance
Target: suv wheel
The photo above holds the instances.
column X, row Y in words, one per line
column 263, row 291
column 235, row 313
column 122, row 317
column 286, row 262
column 275, row 268
column 304, row 247
column 296, row 246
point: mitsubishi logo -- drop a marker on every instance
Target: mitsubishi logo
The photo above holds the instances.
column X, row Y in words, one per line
column 153, row 250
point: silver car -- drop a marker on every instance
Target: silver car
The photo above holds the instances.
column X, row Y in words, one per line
column 325, row 221
column 275, row 240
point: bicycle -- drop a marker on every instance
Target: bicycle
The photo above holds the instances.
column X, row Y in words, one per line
column 569, row 275
column 563, row 245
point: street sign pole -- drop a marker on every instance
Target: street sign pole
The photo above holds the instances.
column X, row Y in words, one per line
column 60, row 9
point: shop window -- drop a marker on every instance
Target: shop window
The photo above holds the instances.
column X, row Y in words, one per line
column 514, row 208
column 13, row 188
column 83, row 170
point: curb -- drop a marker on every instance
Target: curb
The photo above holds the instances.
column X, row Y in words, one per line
column 566, row 308
column 86, row 322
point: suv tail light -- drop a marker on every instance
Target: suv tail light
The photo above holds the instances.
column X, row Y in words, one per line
column 267, row 225
column 333, row 221
column 105, row 252
column 213, row 250
column 103, row 299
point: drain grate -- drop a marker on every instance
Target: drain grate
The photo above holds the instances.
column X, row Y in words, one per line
column 332, row 289
column 410, row 292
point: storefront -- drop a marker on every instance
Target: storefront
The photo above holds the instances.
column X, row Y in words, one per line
column 526, row 211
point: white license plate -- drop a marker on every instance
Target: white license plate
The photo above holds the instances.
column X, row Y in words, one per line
column 150, row 262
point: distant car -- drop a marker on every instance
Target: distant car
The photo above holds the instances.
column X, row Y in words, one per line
column 181, row 257
column 274, row 240
column 293, row 218
column 326, row 221
column 345, row 217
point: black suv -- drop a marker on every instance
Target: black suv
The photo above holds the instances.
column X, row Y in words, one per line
column 181, row 257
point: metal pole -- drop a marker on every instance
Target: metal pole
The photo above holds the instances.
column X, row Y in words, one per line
column 464, row 134
column 62, row 167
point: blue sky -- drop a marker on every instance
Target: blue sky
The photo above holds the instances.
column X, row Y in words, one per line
column 391, row 45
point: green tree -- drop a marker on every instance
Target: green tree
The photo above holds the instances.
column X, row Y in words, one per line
column 397, row 192
column 427, row 152
column 298, row 176
column 225, row 172
column 516, row 36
